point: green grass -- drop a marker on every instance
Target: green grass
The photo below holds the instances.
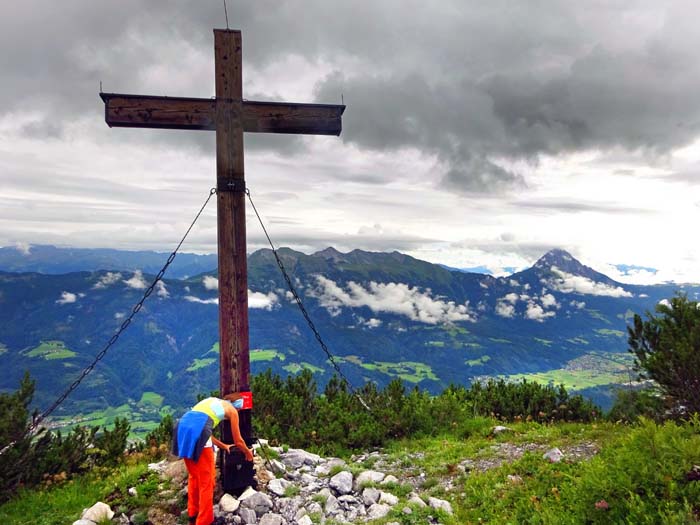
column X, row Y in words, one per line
column 480, row 361
column 151, row 399
column 201, row 363
column 608, row 331
column 410, row 371
column 355, row 360
column 639, row 473
column 265, row 355
column 454, row 331
column 50, row 350
column 64, row 504
column 295, row 368
column 572, row 379
column 595, row 314
column 589, row 370
column 142, row 417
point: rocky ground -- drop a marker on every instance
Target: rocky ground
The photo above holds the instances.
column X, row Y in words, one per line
column 301, row 488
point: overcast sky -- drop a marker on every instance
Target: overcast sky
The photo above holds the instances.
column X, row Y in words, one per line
column 475, row 134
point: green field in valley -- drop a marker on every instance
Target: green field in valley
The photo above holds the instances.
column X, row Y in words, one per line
column 51, row 350
column 590, row 370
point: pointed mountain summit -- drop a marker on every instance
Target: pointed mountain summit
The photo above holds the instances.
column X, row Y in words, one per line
column 558, row 260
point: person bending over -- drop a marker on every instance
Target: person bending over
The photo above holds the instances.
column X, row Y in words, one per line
column 193, row 440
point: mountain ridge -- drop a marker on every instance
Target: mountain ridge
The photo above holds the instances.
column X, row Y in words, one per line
column 383, row 315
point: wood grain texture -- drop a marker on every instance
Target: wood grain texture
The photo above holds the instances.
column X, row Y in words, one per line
column 233, row 271
column 138, row 111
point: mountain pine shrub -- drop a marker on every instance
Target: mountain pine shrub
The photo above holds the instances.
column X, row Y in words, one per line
column 666, row 348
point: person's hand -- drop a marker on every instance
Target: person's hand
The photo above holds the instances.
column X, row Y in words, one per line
column 226, row 447
column 249, row 455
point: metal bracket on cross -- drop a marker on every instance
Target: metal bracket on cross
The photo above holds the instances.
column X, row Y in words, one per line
column 235, row 185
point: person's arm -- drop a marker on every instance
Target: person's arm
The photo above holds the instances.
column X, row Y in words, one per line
column 221, row 444
column 232, row 415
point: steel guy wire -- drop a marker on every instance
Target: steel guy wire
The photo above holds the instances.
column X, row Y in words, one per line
column 137, row 307
column 300, row 304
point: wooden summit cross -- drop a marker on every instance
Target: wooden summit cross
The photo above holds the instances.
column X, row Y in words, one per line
column 229, row 115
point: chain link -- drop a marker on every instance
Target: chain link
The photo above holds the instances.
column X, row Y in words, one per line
column 300, row 304
column 137, row 307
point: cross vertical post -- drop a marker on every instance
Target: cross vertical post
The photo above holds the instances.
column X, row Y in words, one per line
column 234, row 357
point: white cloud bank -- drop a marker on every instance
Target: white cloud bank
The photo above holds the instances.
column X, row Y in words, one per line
column 137, row 282
column 505, row 306
column 210, row 283
column 107, row 279
column 161, row 290
column 193, row 299
column 67, row 298
column 570, row 283
column 256, row 300
column 536, row 312
column 261, row 300
column 23, row 248
column 395, row 298
column 504, row 309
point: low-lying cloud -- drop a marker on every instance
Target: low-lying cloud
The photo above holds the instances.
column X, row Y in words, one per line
column 261, row 300
column 570, row 283
column 536, row 308
column 137, row 281
column 161, row 290
column 67, row 298
column 393, row 298
column 210, row 283
column 193, row 299
column 256, row 300
column 107, row 279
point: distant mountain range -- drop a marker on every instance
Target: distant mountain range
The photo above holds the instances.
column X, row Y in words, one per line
column 52, row 260
column 384, row 315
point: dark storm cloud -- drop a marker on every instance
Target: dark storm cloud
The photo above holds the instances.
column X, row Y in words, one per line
column 476, row 85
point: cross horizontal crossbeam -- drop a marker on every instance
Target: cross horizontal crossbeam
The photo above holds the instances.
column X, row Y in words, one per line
column 140, row 111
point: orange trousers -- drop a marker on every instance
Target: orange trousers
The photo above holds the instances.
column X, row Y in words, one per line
column 200, row 488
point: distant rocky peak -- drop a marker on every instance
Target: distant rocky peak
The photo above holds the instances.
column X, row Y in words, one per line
column 330, row 253
column 562, row 260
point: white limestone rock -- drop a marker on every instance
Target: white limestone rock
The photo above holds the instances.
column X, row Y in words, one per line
column 296, row 458
column 554, row 455
column 258, row 502
column 98, row 512
column 341, row 482
column 377, row 511
column 228, row 503
column 370, row 496
column 389, row 499
column 278, row 486
column 270, row 519
column 440, row 504
column 368, row 476
column 248, row 516
column 390, row 479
